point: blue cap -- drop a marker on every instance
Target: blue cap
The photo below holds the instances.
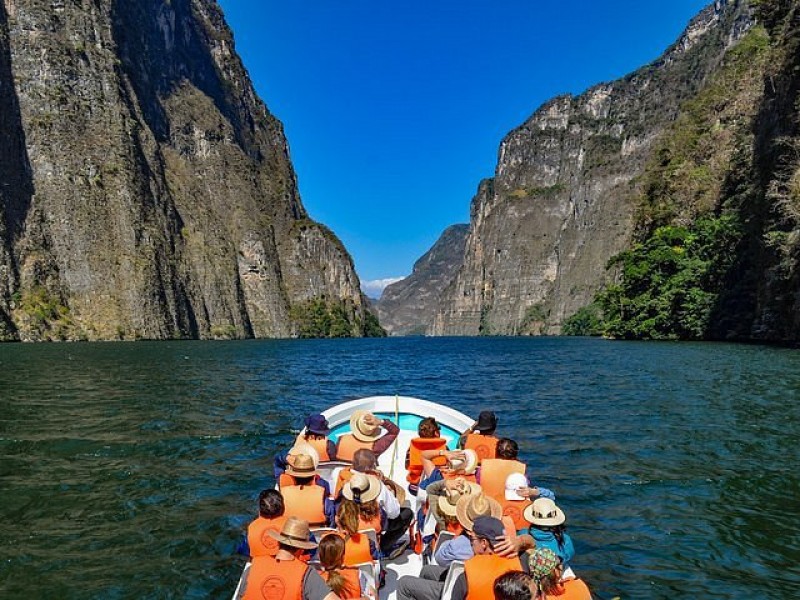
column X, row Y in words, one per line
column 317, row 424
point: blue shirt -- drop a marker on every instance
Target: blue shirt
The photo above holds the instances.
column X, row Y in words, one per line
column 459, row 548
column 546, row 539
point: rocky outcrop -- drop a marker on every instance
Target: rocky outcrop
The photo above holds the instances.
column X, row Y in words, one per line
column 563, row 198
column 147, row 192
column 409, row 306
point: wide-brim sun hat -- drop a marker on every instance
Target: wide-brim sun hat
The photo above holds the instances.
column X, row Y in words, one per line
column 470, row 507
column 513, row 483
column 487, row 421
column 362, row 487
column 471, row 464
column 360, row 430
column 544, row 512
column 447, row 503
column 303, row 447
column 296, row 533
column 301, row 465
column 317, row 424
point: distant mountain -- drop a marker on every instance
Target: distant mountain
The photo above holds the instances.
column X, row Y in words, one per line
column 145, row 190
column 409, row 306
column 571, row 182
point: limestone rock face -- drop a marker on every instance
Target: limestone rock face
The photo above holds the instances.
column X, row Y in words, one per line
column 561, row 203
column 147, row 192
column 409, row 306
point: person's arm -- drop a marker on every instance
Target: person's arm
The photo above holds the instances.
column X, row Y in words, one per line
column 460, row 588
column 382, row 444
column 244, row 546
column 389, row 503
column 330, row 512
column 280, row 463
column 509, row 547
column 437, row 488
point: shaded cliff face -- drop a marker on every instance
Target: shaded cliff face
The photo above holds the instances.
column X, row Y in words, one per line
column 408, row 307
column 152, row 192
column 563, row 197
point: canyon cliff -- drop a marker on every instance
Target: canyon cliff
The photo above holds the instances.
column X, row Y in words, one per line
column 565, row 194
column 145, row 190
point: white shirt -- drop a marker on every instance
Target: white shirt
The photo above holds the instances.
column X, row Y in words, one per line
column 388, row 502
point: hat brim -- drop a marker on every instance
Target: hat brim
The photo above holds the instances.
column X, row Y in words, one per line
column 560, row 517
column 318, row 431
column 357, row 433
column 495, row 510
column 300, row 474
column 291, row 541
column 372, row 492
column 445, row 507
column 513, row 495
column 472, row 463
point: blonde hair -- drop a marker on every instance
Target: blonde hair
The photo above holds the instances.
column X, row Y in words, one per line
column 347, row 517
column 331, row 557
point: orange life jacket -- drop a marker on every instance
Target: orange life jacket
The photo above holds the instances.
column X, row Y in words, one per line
column 353, row 589
column 494, row 472
column 321, row 446
column 574, row 589
column 485, row 446
column 286, row 480
column 269, row 579
column 482, row 570
column 418, row 445
column 348, row 445
column 513, row 510
column 258, row 538
column 344, row 476
column 356, row 549
column 305, row 502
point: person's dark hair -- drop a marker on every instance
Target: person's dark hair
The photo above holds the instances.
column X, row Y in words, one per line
column 369, row 510
column 270, row 504
column 304, row 480
column 364, row 460
column 331, row 557
column 507, row 449
column 514, row 585
column 557, row 531
column 428, row 428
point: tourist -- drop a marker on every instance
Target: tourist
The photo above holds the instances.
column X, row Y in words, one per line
column 428, row 442
column 518, row 496
column 315, row 435
column 305, row 499
column 480, row 437
column 285, row 575
column 547, row 571
column 548, row 529
column 258, row 541
column 358, row 548
column 493, row 472
column 365, row 433
column 343, row 580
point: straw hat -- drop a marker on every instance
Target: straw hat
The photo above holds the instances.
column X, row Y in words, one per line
column 447, row 503
column 303, row 447
column 470, row 507
column 295, row 533
column 469, row 465
column 362, row 487
column 544, row 512
column 361, row 430
column 301, row 465
column 513, row 483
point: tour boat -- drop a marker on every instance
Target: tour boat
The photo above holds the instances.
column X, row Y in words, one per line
column 406, row 412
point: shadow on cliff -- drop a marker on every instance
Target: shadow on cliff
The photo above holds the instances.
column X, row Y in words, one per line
column 162, row 45
column 16, row 180
column 759, row 301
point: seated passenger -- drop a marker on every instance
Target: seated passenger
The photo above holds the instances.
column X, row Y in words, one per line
column 449, row 490
column 518, row 497
column 285, row 574
column 459, row 464
column 358, row 548
column 480, row 437
column 493, row 472
column 514, row 585
column 344, row 581
column 258, row 541
column 548, row 529
column 480, row 569
column 305, row 499
column 315, row 435
column 303, row 448
column 366, row 433
column 546, row 573
column 397, row 519
column 429, row 441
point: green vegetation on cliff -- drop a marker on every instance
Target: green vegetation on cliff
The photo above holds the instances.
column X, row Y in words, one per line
column 324, row 318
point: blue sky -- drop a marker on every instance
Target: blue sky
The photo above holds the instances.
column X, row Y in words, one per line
column 394, row 111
